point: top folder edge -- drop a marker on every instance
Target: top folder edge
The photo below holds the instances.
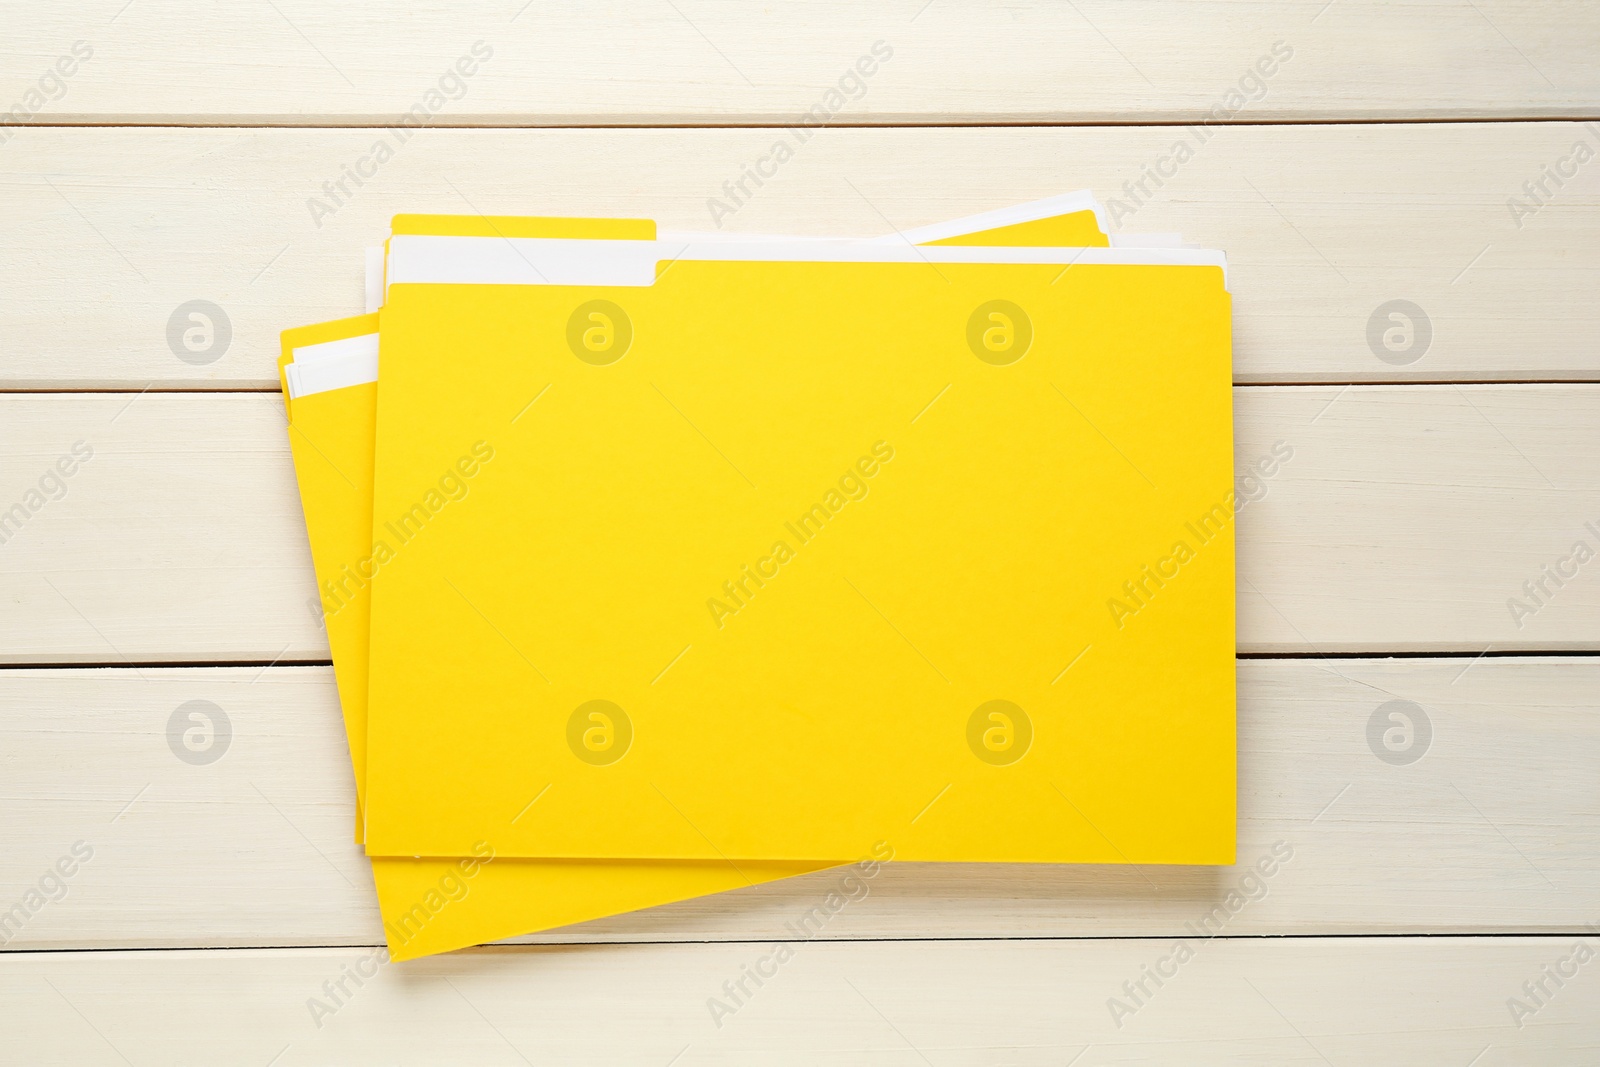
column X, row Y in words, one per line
column 533, row 261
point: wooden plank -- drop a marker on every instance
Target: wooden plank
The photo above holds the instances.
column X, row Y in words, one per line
column 1271, row 1001
column 1493, row 828
column 179, row 538
column 1416, row 518
column 111, row 232
column 1407, row 518
column 697, row 61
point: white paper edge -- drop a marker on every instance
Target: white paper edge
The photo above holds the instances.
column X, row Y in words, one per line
column 547, row 261
column 332, row 365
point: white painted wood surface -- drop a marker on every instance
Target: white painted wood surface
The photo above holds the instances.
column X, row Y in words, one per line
column 703, row 61
column 1420, row 898
column 109, row 230
column 1255, row 1001
column 1406, row 520
column 1494, row 828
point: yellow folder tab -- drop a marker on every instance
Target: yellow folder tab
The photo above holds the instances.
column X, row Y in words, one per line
column 781, row 559
column 1067, row 231
column 1070, row 220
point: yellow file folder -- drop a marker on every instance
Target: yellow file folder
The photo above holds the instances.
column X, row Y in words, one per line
column 435, row 905
column 784, row 557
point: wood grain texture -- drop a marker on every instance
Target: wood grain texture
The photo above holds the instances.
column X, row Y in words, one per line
column 719, row 61
column 109, row 231
column 1269, row 1002
column 1496, row 827
column 1407, row 519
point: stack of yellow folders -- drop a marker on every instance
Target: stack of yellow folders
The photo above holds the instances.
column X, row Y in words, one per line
column 660, row 565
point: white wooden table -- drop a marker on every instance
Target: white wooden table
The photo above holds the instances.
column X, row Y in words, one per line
column 1439, row 909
